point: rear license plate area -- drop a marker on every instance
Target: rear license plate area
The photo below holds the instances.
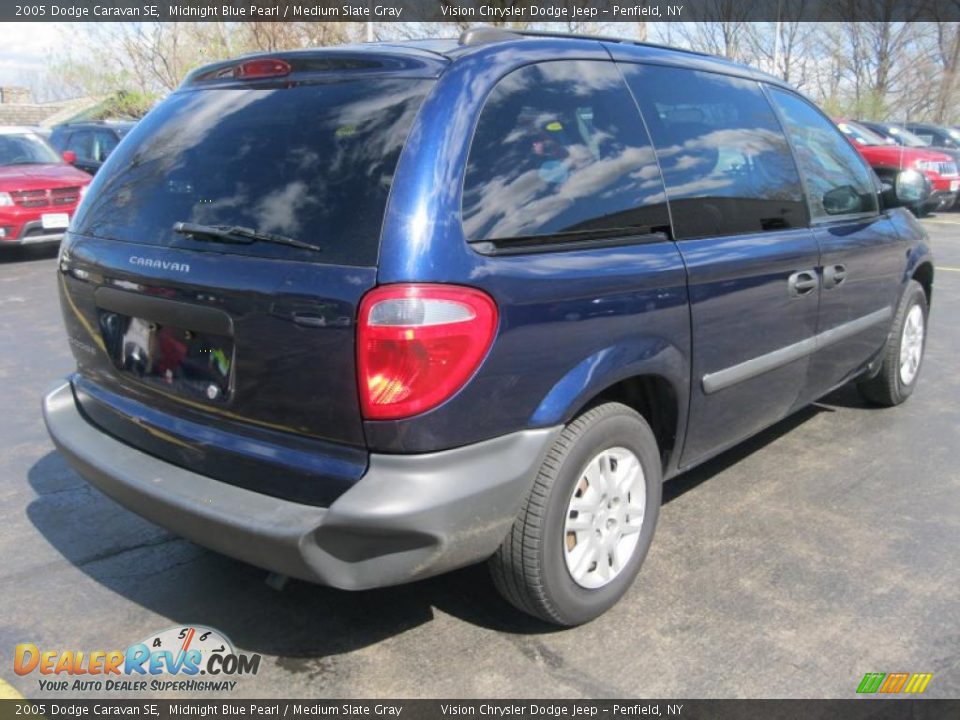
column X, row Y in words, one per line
column 189, row 363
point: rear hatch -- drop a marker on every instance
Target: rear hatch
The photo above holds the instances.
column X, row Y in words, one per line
column 210, row 281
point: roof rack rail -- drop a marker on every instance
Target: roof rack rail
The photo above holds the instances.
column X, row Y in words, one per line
column 482, row 34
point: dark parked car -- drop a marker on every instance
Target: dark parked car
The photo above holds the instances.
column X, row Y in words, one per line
column 899, row 135
column 895, row 134
column 936, row 135
column 90, row 142
column 364, row 315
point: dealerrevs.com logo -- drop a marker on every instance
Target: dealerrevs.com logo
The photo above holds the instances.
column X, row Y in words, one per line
column 187, row 659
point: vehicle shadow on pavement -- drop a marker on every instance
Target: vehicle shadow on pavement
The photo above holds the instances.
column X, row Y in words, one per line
column 187, row 584
column 178, row 580
column 845, row 397
column 28, row 253
column 688, row 481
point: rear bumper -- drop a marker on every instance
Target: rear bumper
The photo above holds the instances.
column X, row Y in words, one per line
column 410, row 517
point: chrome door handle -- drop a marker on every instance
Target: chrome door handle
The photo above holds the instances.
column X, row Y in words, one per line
column 833, row 275
column 802, row 282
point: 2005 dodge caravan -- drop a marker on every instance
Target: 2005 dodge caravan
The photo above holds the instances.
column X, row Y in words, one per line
column 366, row 314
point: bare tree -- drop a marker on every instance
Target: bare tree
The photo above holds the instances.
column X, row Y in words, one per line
column 785, row 48
column 141, row 57
column 719, row 28
column 147, row 60
column 947, row 57
column 270, row 36
column 830, row 75
column 889, row 67
column 881, row 52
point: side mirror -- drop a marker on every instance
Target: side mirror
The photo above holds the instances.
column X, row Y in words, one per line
column 909, row 188
column 842, row 200
column 69, row 156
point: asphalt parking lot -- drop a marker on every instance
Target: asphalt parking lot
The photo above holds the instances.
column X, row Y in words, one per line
column 823, row 549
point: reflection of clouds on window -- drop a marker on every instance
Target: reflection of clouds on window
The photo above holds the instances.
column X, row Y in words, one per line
column 584, row 79
column 828, row 161
column 726, row 163
column 559, row 147
column 201, row 112
column 687, row 162
column 647, row 173
column 306, row 159
column 519, row 205
column 315, row 160
column 209, row 212
column 375, row 117
column 281, row 209
column 701, row 187
column 760, row 152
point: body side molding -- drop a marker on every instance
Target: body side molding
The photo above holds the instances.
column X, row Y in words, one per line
column 715, row 381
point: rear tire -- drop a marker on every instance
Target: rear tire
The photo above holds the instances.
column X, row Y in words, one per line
column 551, row 563
column 903, row 353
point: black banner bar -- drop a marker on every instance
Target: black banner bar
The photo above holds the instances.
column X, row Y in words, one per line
column 853, row 709
column 480, row 11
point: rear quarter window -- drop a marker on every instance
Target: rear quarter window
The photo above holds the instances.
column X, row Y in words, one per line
column 560, row 149
column 313, row 162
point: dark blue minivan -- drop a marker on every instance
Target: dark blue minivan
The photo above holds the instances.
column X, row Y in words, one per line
column 363, row 315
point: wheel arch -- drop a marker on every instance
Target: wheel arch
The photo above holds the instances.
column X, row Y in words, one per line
column 655, row 399
column 923, row 274
column 655, row 384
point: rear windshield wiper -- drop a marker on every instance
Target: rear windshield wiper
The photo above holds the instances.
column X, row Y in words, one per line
column 237, row 234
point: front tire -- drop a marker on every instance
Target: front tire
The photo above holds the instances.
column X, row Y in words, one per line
column 587, row 524
column 903, row 353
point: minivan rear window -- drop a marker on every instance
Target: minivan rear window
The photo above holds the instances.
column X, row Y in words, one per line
column 313, row 162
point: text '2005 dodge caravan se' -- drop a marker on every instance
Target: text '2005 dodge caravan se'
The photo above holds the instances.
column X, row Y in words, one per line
column 367, row 314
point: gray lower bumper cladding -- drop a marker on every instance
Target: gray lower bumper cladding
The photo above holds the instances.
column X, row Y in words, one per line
column 410, row 517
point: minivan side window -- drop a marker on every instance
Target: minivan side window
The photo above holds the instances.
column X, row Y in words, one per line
column 726, row 162
column 838, row 181
column 560, row 148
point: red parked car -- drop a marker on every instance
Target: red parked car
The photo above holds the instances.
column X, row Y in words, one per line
column 39, row 190
column 887, row 160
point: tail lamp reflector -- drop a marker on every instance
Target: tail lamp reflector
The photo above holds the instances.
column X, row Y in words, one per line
column 418, row 345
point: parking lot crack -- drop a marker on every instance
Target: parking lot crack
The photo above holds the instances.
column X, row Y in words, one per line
column 117, row 552
column 555, row 666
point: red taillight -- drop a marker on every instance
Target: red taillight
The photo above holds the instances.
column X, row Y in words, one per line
column 262, row 68
column 419, row 344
